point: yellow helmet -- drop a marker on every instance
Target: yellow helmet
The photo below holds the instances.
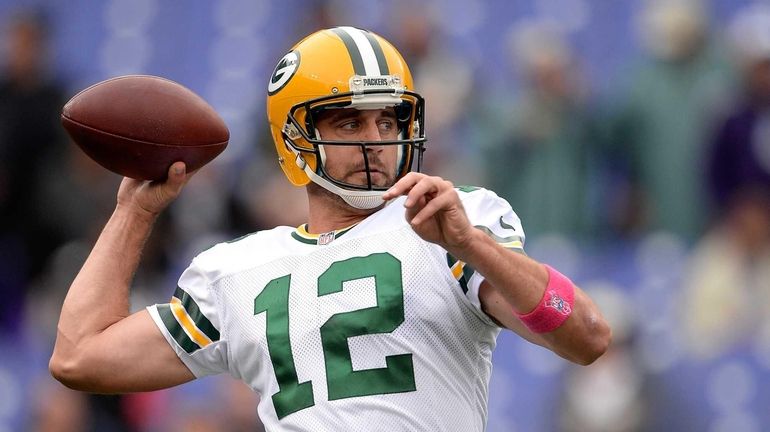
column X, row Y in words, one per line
column 341, row 67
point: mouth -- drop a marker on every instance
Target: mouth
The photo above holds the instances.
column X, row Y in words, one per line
column 372, row 169
column 378, row 176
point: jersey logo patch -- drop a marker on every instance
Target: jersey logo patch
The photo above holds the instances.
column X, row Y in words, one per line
column 505, row 225
column 326, row 238
column 558, row 303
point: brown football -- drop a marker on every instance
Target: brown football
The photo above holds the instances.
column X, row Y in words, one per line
column 138, row 125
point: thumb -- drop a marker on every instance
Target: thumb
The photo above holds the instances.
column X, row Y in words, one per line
column 176, row 174
column 176, row 178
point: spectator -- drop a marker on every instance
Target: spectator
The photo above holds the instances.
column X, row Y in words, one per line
column 446, row 79
column 537, row 154
column 30, row 138
column 729, row 287
column 740, row 161
column 664, row 119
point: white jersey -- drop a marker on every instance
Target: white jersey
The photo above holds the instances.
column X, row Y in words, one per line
column 369, row 328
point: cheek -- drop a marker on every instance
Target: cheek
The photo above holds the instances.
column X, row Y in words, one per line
column 337, row 158
column 391, row 154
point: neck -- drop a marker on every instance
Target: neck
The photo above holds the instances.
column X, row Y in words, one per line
column 328, row 212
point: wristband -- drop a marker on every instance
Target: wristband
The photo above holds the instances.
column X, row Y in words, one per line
column 555, row 306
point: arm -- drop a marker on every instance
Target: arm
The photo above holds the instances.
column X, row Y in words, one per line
column 513, row 282
column 99, row 346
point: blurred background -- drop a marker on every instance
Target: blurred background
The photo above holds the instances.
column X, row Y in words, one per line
column 631, row 137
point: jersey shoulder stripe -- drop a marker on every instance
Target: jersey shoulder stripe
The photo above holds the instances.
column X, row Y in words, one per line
column 512, row 242
column 467, row 188
column 175, row 329
column 193, row 311
column 494, row 216
column 186, row 324
column 461, row 271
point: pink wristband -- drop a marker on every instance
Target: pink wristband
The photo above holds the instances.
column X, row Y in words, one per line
column 555, row 306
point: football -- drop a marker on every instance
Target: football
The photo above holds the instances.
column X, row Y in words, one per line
column 138, row 125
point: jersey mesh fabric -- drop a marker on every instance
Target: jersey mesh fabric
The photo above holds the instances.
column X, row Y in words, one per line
column 449, row 339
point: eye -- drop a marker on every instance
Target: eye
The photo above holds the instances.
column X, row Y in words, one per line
column 349, row 125
column 386, row 124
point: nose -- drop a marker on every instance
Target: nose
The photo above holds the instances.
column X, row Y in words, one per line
column 371, row 131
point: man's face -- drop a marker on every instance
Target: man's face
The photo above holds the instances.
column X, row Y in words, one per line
column 345, row 162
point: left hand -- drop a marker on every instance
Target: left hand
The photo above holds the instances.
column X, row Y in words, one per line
column 434, row 210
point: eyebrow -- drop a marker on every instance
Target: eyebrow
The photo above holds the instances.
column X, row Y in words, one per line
column 352, row 113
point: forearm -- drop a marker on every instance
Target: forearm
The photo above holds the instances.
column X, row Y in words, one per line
column 518, row 284
column 99, row 295
column 99, row 347
column 520, row 280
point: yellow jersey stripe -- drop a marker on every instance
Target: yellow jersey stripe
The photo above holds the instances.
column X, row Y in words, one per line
column 514, row 244
column 457, row 269
column 184, row 319
column 302, row 232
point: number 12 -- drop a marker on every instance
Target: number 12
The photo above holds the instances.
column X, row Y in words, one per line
column 341, row 380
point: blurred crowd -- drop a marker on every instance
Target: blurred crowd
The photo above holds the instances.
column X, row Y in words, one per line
column 651, row 189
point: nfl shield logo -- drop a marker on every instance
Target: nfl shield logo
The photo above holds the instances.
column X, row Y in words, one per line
column 325, row 238
column 558, row 303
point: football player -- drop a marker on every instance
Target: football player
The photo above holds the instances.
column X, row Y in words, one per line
column 380, row 313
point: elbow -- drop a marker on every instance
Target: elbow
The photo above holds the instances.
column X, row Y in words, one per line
column 67, row 371
column 596, row 344
column 63, row 370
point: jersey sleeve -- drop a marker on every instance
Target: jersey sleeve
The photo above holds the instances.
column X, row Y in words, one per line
column 494, row 216
column 190, row 322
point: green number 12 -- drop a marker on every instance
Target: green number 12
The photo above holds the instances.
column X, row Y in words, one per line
column 341, row 380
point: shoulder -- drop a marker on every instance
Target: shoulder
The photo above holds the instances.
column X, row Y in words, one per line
column 492, row 214
column 478, row 197
column 245, row 252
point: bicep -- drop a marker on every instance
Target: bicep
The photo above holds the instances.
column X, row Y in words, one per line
column 133, row 355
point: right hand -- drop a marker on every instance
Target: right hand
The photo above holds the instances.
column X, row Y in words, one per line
column 151, row 197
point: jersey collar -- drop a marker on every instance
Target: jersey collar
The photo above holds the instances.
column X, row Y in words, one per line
column 302, row 235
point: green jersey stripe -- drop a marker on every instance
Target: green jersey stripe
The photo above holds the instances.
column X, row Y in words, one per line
column 197, row 316
column 463, row 284
column 176, row 330
column 467, row 273
column 339, row 233
column 467, row 188
column 303, row 239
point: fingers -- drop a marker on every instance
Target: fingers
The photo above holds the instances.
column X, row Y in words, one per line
column 151, row 197
column 425, row 210
column 428, row 187
column 425, row 195
column 403, row 186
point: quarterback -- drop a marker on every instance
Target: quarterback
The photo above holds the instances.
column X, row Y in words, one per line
column 380, row 313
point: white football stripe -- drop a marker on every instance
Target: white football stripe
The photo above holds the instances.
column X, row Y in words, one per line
column 371, row 66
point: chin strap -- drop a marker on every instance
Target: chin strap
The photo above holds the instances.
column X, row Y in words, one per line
column 363, row 200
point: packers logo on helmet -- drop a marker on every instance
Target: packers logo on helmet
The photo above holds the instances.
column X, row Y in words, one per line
column 283, row 72
column 342, row 67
